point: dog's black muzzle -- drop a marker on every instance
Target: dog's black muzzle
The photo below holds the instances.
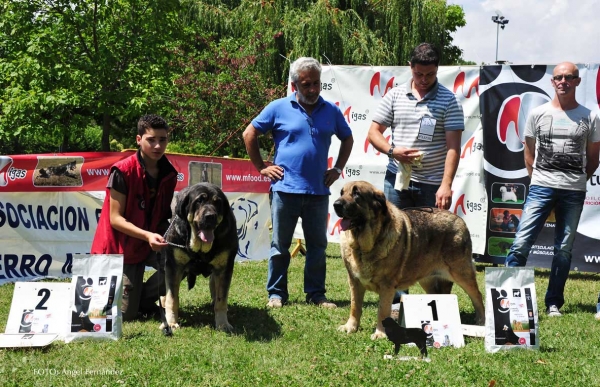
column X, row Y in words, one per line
column 338, row 207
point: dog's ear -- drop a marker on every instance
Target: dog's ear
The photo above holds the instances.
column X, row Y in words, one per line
column 183, row 202
column 379, row 201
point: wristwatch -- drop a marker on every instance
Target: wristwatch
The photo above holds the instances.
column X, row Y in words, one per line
column 339, row 171
column 391, row 151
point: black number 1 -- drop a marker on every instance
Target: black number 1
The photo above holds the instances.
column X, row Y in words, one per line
column 433, row 310
column 45, row 293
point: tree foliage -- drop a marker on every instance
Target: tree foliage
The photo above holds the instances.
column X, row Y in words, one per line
column 76, row 74
column 216, row 95
column 70, row 65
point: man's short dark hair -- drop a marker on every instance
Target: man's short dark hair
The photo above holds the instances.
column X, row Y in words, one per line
column 151, row 121
column 425, row 54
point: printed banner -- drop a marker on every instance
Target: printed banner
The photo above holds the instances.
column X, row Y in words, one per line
column 50, row 206
column 358, row 90
column 508, row 94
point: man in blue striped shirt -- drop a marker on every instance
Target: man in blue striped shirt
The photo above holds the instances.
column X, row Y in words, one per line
column 424, row 117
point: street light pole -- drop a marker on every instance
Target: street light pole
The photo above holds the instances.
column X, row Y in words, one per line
column 501, row 22
column 497, row 34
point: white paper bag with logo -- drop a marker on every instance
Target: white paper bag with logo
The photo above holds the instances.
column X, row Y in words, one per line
column 511, row 318
column 96, row 293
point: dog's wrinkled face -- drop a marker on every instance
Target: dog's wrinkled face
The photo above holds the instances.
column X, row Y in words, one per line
column 205, row 214
column 203, row 208
column 359, row 202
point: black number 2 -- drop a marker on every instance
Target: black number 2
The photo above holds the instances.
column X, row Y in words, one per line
column 433, row 310
column 45, row 294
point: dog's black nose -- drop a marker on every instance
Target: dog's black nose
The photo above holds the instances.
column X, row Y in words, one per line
column 338, row 206
column 210, row 220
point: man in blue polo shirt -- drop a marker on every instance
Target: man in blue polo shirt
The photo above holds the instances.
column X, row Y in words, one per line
column 302, row 125
column 425, row 117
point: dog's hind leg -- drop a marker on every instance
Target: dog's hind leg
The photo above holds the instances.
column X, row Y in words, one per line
column 464, row 276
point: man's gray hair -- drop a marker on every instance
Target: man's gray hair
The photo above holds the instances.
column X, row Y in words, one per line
column 303, row 64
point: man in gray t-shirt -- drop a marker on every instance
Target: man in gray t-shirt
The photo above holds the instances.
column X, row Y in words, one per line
column 562, row 140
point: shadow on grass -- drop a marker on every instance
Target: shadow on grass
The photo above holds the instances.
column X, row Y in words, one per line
column 255, row 324
column 583, row 308
column 467, row 318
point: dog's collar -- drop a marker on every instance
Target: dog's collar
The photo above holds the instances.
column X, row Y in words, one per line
column 167, row 232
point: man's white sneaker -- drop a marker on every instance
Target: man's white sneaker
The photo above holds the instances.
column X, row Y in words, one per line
column 553, row 311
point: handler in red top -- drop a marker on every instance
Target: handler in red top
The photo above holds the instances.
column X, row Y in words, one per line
column 135, row 215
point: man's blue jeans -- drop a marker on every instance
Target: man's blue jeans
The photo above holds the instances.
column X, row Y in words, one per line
column 417, row 194
column 567, row 206
column 286, row 208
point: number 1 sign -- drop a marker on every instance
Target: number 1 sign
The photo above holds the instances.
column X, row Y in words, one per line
column 437, row 315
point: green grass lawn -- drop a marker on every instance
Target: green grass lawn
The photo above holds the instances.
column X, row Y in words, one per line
column 299, row 345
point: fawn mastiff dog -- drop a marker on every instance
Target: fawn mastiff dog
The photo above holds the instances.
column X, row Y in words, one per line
column 202, row 240
column 385, row 248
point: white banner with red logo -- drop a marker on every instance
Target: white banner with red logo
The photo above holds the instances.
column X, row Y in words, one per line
column 357, row 90
column 50, row 206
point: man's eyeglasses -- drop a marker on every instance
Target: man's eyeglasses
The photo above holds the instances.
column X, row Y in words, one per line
column 568, row 77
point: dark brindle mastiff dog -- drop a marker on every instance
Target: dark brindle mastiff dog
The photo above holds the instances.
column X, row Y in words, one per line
column 202, row 240
column 385, row 249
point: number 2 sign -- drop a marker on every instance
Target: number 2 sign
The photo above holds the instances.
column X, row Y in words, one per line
column 437, row 315
column 39, row 307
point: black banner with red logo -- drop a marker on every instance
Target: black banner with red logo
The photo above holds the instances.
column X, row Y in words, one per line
column 508, row 94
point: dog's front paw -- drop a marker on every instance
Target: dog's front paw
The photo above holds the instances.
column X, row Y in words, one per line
column 173, row 326
column 348, row 328
column 378, row 335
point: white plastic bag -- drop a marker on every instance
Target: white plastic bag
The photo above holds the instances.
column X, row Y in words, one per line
column 511, row 318
column 405, row 171
column 403, row 176
column 96, row 294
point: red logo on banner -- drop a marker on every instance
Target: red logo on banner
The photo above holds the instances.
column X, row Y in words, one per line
column 336, row 226
column 459, row 82
column 5, row 165
column 347, row 113
column 512, row 116
column 469, row 147
column 368, row 144
column 460, row 203
column 376, row 84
